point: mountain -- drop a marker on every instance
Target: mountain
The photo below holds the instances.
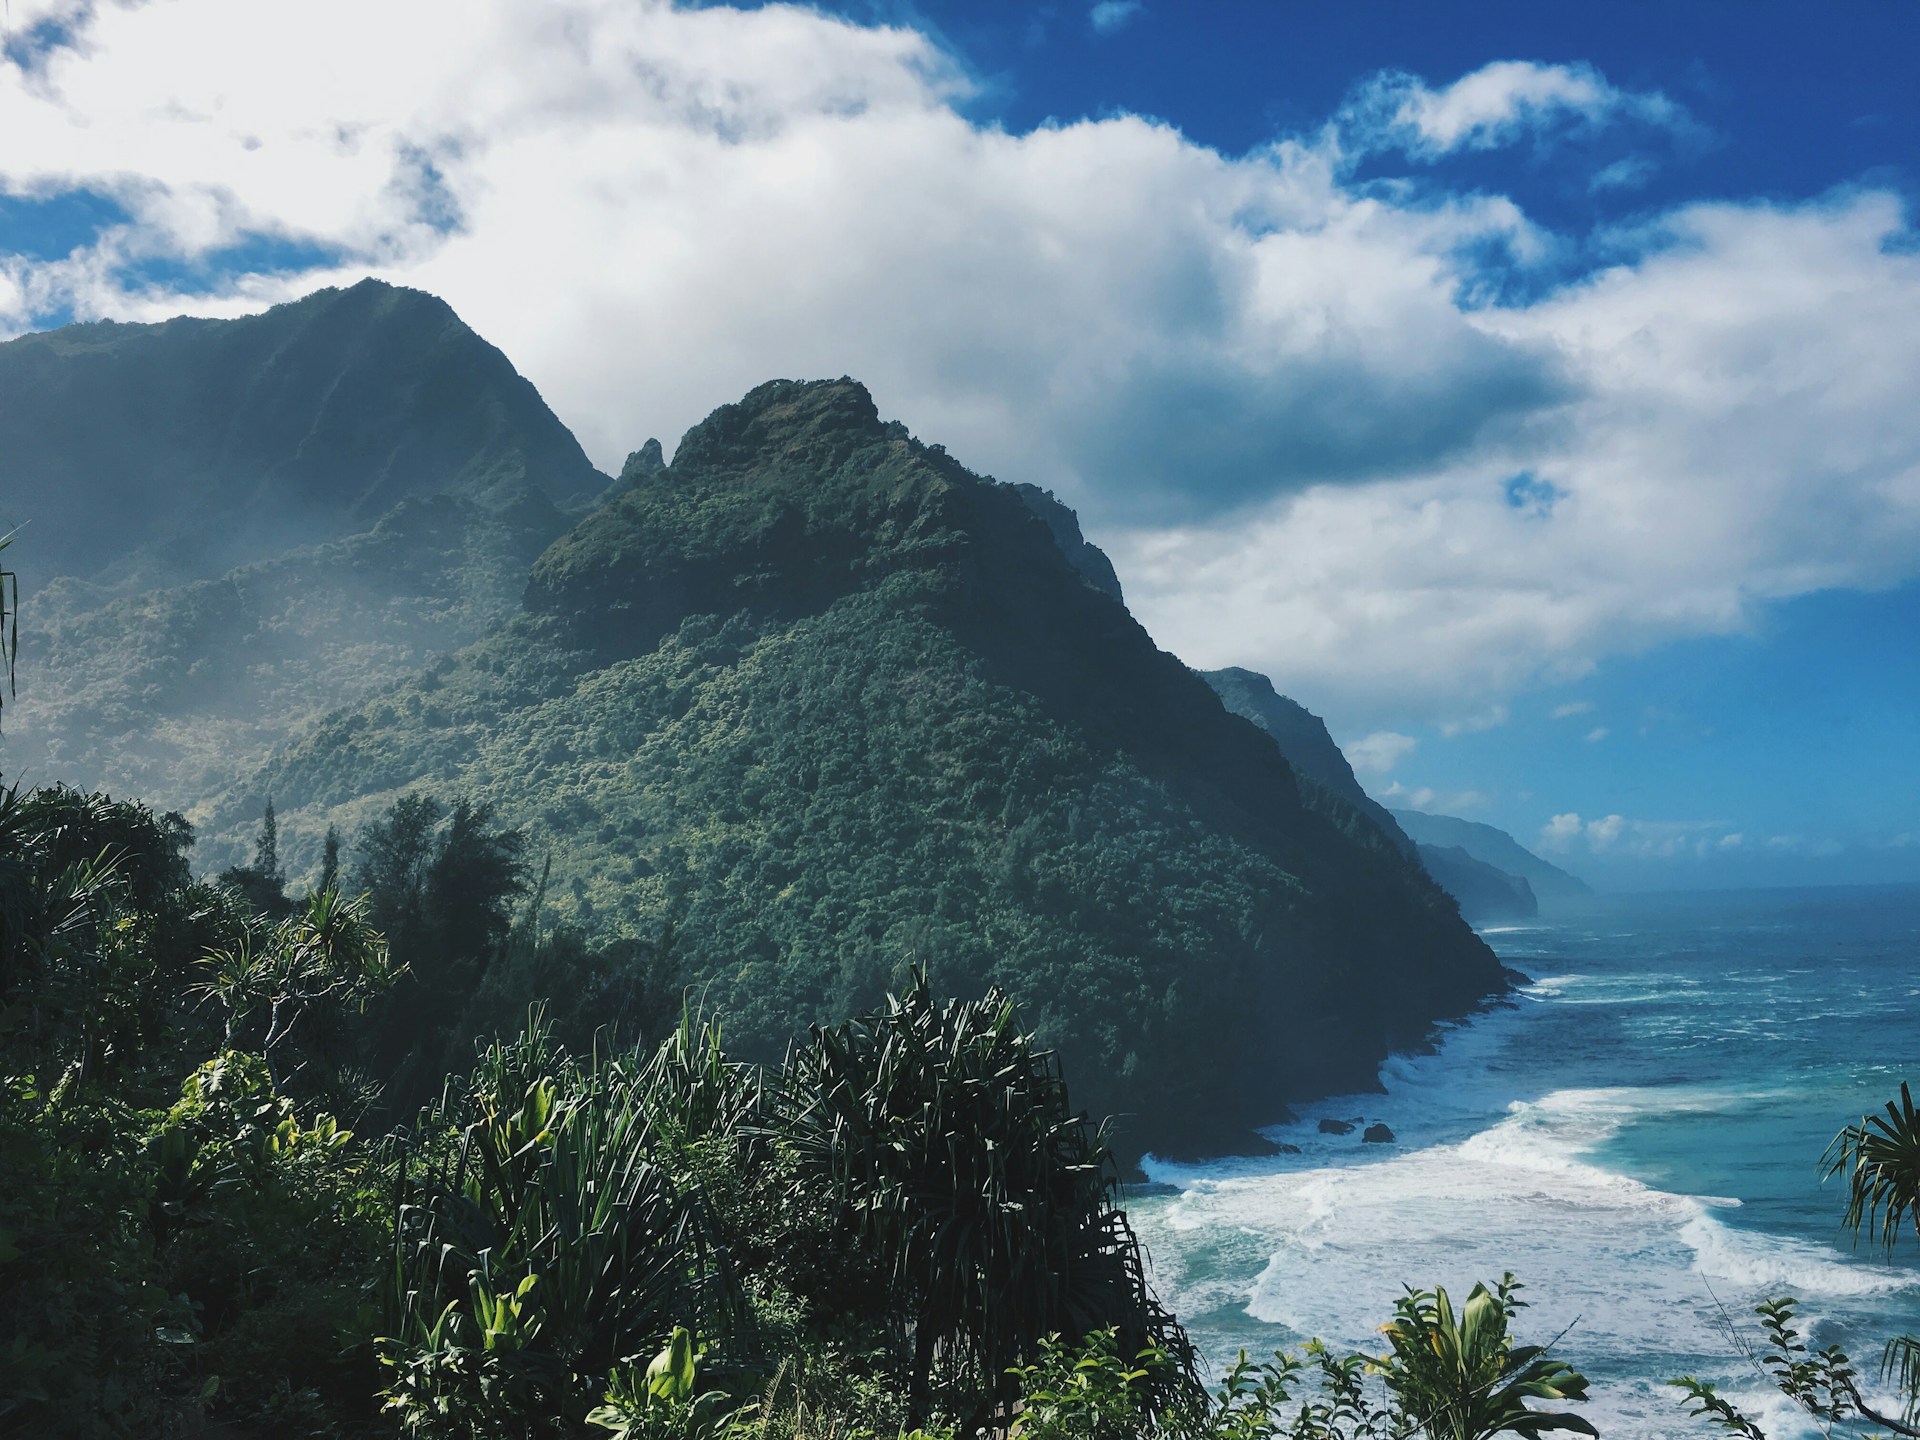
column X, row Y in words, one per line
column 835, row 707
column 1490, row 846
column 232, row 527
column 1089, row 559
column 1302, row 737
column 1483, row 891
column 154, row 454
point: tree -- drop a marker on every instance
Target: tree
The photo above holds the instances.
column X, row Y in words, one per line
column 263, row 883
column 440, row 885
column 9, row 617
column 330, row 861
column 326, row 954
column 945, row 1137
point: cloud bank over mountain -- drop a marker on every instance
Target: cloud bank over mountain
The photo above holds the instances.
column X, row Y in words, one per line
column 1376, row 432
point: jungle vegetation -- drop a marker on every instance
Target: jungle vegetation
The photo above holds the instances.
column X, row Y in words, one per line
column 210, row 1219
column 834, row 708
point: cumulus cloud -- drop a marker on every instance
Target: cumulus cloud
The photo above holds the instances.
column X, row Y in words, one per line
column 1738, row 436
column 1618, row 837
column 1111, row 15
column 1486, row 717
column 1561, row 831
column 1278, row 395
column 1380, row 752
column 1497, row 105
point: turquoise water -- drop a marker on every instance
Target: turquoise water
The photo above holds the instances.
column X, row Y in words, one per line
column 1636, row 1136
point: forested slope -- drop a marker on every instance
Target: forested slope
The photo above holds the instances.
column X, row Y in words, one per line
column 236, row 526
column 834, row 706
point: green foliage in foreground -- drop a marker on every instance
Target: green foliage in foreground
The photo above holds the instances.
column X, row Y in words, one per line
column 904, row 1226
column 1445, row 1376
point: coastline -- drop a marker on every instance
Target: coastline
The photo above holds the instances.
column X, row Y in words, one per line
column 1607, row 1132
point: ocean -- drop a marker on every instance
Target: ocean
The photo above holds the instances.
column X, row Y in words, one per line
column 1636, row 1137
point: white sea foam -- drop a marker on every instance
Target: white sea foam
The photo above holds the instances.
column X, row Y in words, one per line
column 1485, row 1178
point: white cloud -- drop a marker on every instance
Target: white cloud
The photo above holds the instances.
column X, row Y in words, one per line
column 1572, row 708
column 1497, row 105
column 1111, row 15
column 1618, row 837
column 1561, row 831
column 1432, row 801
column 1597, row 734
column 1737, row 434
column 1380, row 752
column 1279, row 397
column 1487, row 717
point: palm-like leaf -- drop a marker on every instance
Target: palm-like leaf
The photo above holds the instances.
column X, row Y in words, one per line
column 1463, row 1377
column 946, row 1138
column 1880, row 1156
column 543, row 1168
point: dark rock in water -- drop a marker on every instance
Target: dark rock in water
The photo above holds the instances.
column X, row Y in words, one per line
column 1288, row 1150
column 1218, row 1142
column 1377, row 1135
column 1336, row 1127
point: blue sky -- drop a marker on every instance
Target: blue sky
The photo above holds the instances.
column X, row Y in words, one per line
column 1528, row 388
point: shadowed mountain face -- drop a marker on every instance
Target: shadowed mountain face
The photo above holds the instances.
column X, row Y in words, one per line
column 1484, row 891
column 173, row 452
column 1495, row 847
column 232, row 527
column 835, row 706
column 1302, row 737
column 1486, row 894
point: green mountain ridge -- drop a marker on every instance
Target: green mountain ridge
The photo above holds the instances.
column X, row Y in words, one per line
column 414, row 475
column 1483, row 891
column 835, row 706
column 1486, row 893
column 816, row 696
column 145, row 455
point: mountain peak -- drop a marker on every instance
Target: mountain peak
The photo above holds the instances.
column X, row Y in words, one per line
column 176, row 450
column 811, row 421
column 643, row 464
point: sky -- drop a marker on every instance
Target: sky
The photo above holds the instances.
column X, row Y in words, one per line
column 1531, row 389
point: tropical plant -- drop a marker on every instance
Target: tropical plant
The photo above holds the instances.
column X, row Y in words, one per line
column 541, row 1242
column 1088, row 1392
column 325, row 954
column 665, row 1403
column 1447, row 1377
column 944, row 1136
column 1463, row 1378
column 1880, row 1157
